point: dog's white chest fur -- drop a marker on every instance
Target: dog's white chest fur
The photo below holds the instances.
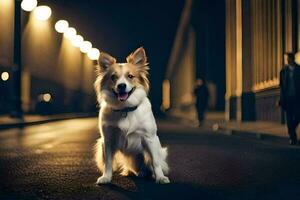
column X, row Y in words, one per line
column 129, row 127
column 130, row 138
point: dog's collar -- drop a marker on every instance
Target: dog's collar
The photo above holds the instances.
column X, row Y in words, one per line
column 124, row 111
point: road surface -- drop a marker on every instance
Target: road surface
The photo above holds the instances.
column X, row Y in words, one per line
column 55, row 161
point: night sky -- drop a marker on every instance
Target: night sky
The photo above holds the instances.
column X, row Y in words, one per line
column 119, row 27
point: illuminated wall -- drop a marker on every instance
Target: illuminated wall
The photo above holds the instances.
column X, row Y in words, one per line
column 183, row 80
column 49, row 56
column 267, row 43
column 257, row 34
column 6, row 51
column 198, row 52
column 178, row 98
column 6, row 32
column 231, row 57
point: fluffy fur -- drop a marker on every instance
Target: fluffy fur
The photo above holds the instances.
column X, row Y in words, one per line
column 128, row 142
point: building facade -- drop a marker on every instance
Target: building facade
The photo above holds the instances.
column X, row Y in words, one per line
column 257, row 35
column 198, row 52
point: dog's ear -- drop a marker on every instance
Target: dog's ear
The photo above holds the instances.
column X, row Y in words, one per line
column 138, row 57
column 105, row 61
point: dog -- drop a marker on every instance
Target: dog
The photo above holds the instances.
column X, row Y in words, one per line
column 128, row 143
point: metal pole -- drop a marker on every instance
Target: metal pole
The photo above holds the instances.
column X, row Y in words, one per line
column 16, row 111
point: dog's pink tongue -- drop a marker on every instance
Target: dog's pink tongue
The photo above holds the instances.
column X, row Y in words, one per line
column 122, row 96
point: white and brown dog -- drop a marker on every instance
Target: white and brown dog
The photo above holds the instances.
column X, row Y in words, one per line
column 128, row 143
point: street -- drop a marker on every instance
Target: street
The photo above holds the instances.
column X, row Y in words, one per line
column 55, row 161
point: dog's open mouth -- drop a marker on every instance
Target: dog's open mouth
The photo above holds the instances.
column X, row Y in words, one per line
column 123, row 96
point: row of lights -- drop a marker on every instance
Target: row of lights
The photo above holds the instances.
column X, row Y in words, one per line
column 40, row 12
column 43, row 13
column 70, row 33
column 62, row 26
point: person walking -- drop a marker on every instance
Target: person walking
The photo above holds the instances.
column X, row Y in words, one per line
column 201, row 93
column 290, row 94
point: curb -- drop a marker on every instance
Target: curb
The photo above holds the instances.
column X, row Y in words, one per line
column 31, row 123
column 237, row 132
column 251, row 134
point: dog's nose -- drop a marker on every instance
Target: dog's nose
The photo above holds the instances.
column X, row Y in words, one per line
column 121, row 87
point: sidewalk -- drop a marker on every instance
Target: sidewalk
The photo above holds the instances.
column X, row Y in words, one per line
column 7, row 122
column 258, row 129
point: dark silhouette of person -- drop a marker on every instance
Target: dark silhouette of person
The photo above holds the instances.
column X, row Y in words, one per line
column 201, row 93
column 290, row 94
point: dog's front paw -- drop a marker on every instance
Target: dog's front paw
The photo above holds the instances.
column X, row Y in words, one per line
column 103, row 180
column 163, row 180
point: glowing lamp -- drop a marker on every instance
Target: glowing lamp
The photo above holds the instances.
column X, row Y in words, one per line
column 70, row 33
column 93, row 54
column 42, row 12
column 61, row 26
column 166, row 95
column 29, row 5
column 47, row 97
column 5, row 76
column 77, row 40
column 85, row 46
column 297, row 57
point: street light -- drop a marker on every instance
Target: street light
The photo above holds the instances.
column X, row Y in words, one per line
column 77, row 40
column 47, row 97
column 42, row 12
column 29, row 5
column 85, row 46
column 70, row 33
column 4, row 76
column 93, row 54
column 61, row 26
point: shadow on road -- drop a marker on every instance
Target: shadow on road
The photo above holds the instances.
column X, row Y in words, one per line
column 139, row 188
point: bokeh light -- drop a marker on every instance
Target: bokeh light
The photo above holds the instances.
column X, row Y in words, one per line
column 70, row 33
column 61, row 26
column 93, row 54
column 77, row 40
column 42, row 12
column 85, row 46
column 4, row 76
column 47, row 97
column 29, row 5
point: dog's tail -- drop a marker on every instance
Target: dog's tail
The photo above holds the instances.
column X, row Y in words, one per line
column 99, row 154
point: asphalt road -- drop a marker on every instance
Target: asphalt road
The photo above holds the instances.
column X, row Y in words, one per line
column 55, row 161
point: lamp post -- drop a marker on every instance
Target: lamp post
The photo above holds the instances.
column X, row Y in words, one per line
column 16, row 110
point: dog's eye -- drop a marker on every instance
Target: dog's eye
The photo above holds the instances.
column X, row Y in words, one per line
column 130, row 76
column 113, row 77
